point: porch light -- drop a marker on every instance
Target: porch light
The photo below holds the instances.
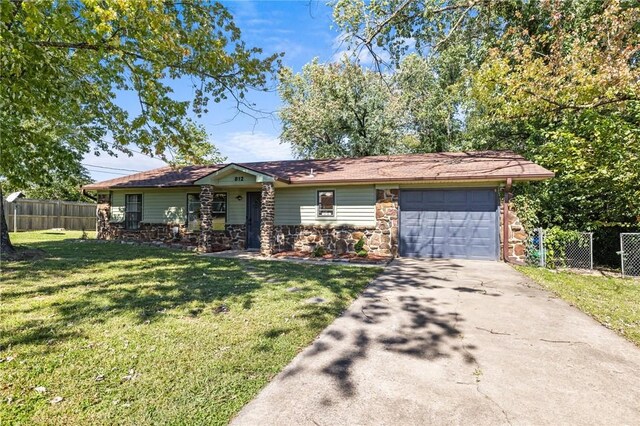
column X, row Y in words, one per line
column 239, row 198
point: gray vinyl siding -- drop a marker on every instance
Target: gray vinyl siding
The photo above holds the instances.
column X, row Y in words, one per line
column 117, row 207
column 355, row 205
column 158, row 206
column 236, row 209
column 170, row 205
column 165, row 206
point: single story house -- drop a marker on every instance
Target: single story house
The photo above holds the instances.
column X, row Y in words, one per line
column 444, row 205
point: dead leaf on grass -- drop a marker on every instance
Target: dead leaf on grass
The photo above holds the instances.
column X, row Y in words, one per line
column 131, row 376
column 56, row 400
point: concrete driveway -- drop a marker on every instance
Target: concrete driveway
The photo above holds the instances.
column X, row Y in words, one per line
column 456, row 342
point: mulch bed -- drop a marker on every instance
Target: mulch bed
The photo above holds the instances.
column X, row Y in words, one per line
column 330, row 257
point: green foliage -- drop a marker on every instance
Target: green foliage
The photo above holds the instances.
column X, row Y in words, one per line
column 319, row 251
column 574, row 110
column 428, row 102
column 345, row 110
column 556, row 241
column 359, row 248
column 65, row 187
column 65, row 66
column 527, row 208
column 336, row 110
column 555, row 81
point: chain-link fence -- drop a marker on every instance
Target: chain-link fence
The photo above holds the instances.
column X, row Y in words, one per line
column 630, row 252
column 535, row 248
column 560, row 249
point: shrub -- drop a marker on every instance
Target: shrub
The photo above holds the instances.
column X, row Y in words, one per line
column 319, row 251
column 359, row 248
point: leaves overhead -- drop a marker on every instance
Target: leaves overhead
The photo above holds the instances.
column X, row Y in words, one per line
column 67, row 66
column 336, row 110
column 557, row 81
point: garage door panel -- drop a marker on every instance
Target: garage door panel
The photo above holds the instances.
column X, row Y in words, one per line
column 449, row 223
column 456, row 197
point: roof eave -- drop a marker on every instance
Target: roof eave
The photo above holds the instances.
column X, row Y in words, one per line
column 519, row 178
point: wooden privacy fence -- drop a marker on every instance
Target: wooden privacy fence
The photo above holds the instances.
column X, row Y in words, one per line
column 33, row 215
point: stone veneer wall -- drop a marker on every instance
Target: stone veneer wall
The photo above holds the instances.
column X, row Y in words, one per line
column 233, row 236
column 517, row 240
column 103, row 212
column 386, row 236
column 160, row 233
column 381, row 239
column 205, row 243
column 267, row 215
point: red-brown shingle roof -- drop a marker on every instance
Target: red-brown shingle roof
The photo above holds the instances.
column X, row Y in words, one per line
column 492, row 165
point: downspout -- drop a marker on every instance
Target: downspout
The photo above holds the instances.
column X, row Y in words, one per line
column 86, row 194
column 505, row 220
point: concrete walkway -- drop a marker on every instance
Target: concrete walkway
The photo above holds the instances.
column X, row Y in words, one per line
column 456, row 342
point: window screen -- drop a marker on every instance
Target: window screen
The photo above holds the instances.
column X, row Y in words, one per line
column 326, row 203
column 133, row 211
column 219, row 205
column 193, row 212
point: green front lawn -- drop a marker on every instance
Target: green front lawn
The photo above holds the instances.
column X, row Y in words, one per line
column 615, row 302
column 141, row 335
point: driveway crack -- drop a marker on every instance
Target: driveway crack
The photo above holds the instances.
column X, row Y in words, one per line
column 506, row 416
column 479, row 367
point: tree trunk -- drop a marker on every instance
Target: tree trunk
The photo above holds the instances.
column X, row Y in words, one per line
column 5, row 243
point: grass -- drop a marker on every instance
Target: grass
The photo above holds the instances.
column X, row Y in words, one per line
column 143, row 335
column 614, row 302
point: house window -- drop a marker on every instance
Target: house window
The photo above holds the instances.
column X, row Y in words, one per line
column 219, row 211
column 193, row 212
column 133, row 211
column 219, row 205
column 326, row 203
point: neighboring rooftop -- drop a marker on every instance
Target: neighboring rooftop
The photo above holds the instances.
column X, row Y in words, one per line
column 476, row 165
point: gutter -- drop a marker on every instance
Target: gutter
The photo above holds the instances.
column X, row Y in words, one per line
column 523, row 178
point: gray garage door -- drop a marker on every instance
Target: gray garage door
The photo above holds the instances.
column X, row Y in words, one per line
column 453, row 224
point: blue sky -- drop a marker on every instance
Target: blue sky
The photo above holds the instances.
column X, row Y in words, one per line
column 301, row 29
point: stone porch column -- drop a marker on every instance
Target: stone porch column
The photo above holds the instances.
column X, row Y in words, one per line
column 267, row 215
column 206, row 220
column 385, row 237
column 103, row 210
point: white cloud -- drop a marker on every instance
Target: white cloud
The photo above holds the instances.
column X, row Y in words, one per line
column 244, row 147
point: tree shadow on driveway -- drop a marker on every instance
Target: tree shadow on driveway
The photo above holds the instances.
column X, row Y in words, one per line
column 400, row 312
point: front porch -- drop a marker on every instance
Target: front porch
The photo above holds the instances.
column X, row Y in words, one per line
column 258, row 193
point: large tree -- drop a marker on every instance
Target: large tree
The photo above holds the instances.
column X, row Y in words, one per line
column 557, row 81
column 344, row 109
column 66, row 66
column 336, row 110
column 570, row 97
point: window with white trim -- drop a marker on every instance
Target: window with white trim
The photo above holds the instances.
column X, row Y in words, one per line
column 133, row 211
column 219, row 204
column 326, row 203
column 193, row 212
